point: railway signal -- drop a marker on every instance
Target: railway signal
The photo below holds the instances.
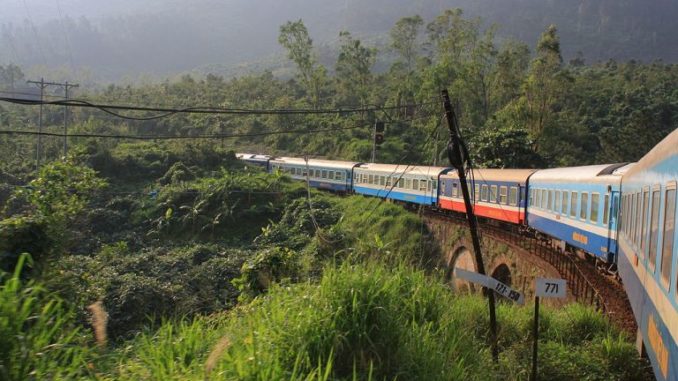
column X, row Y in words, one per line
column 379, row 128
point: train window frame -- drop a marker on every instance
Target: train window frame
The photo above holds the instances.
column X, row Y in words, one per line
column 670, row 187
column 652, row 250
column 408, row 184
column 484, row 193
column 565, row 206
column 644, row 215
column 370, row 179
column 476, row 192
column 634, row 218
column 513, row 196
column 415, row 184
column 455, row 190
column 556, row 202
column 423, row 185
column 584, row 206
column 503, row 195
column 606, row 209
column 574, row 204
column 493, row 194
column 549, row 200
column 401, row 183
column 595, row 207
column 543, row 201
column 324, row 174
column 382, row 180
column 339, row 176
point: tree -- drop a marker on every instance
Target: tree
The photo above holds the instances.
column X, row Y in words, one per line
column 295, row 38
column 10, row 75
column 354, row 65
column 546, row 82
column 404, row 36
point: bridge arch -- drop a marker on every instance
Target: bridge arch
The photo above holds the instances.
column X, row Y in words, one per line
column 460, row 257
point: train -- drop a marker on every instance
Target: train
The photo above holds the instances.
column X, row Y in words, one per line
column 622, row 215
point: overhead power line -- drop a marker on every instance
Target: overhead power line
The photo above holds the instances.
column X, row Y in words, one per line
column 177, row 137
column 166, row 111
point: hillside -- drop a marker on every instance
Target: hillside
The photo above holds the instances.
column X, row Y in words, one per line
column 231, row 37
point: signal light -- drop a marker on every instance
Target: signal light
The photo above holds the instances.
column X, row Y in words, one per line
column 378, row 133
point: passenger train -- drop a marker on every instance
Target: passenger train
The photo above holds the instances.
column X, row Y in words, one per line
column 623, row 215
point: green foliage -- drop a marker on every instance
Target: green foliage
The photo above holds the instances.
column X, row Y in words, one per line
column 20, row 235
column 38, row 339
column 60, row 191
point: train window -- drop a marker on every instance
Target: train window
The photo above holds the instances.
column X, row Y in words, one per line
column 566, row 202
column 573, row 205
column 304, row 173
column 530, row 202
column 503, row 195
column 556, row 201
column 595, row 205
column 537, row 199
column 643, row 222
column 338, row 176
column 550, row 200
column 434, row 184
column 423, row 184
column 382, row 180
column 493, row 193
column 415, row 184
column 638, row 219
column 606, row 207
column 476, row 192
column 669, row 232
column 455, row 190
column 370, row 179
column 513, row 196
column 654, row 227
column 324, row 174
column 483, row 193
column 584, row 207
column 408, row 184
column 401, row 183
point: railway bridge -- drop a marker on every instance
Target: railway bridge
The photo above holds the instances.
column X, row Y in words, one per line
column 517, row 259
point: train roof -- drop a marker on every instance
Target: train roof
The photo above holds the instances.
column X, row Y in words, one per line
column 602, row 173
column 662, row 151
column 315, row 162
column 400, row 168
column 252, row 156
column 490, row 174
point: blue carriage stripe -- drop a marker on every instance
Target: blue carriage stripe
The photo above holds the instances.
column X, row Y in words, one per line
column 580, row 238
column 396, row 195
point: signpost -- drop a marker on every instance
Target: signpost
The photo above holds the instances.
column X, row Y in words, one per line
column 491, row 283
column 545, row 288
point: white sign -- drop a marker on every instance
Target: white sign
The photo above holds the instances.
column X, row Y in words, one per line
column 551, row 288
column 492, row 283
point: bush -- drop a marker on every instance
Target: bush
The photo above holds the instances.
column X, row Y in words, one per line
column 20, row 235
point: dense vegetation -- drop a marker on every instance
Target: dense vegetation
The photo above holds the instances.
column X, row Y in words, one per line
column 173, row 260
column 199, row 267
column 543, row 111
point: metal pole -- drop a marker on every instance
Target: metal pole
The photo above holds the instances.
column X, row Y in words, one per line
column 535, row 335
column 66, row 123
column 39, row 148
column 454, row 152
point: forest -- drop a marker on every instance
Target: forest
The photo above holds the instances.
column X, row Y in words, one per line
column 167, row 258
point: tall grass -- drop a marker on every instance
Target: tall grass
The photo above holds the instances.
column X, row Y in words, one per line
column 37, row 337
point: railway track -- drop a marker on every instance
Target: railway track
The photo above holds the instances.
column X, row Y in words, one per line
column 586, row 282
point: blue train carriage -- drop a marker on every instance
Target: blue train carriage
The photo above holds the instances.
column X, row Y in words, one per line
column 408, row 183
column 255, row 159
column 578, row 206
column 647, row 253
column 322, row 174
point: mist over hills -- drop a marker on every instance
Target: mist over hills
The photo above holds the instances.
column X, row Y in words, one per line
column 121, row 38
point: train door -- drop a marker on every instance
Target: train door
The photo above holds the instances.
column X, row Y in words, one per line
column 613, row 210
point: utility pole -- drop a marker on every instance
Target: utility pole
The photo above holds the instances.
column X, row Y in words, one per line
column 67, row 86
column 43, row 85
column 458, row 156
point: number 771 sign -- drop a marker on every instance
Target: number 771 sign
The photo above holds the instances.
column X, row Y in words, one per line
column 551, row 288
